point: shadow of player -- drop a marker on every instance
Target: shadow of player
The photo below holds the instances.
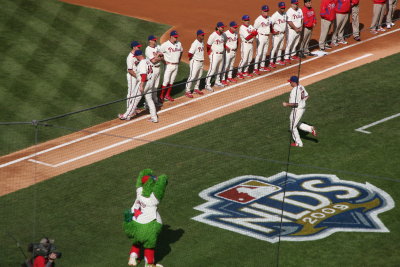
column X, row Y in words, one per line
column 167, row 237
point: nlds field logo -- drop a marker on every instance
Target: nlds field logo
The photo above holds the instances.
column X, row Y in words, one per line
column 315, row 206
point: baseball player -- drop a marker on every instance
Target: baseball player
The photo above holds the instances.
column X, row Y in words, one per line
column 343, row 8
column 328, row 16
column 309, row 21
column 153, row 50
column 247, row 34
column 196, row 59
column 263, row 26
column 295, row 26
column 231, row 45
column 297, row 101
column 389, row 16
column 215, row 51
column 131, row 62
column 377, row 17
column 278, row 27
column 172, row 50
column 355, row 19
column 144, row 75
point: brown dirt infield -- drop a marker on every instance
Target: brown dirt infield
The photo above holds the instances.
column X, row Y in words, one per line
column 180, row 14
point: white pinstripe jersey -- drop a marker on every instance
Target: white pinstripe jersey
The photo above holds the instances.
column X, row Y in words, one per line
column 244, row 31
column 263, row 25
column 231, row 39
column 131, row 62
column 172, row 52
column 216, row 41
column 197, row 50
column 151, row 53
column 279, row 22
column 295, row 16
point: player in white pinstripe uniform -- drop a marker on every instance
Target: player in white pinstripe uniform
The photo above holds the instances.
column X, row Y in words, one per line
column 215, row 50
column 196, row 59
column 247, row 34
column 153, row 50
column 263, row 27
column 131, row 62
column 144, row 86
column 295, row 26
column 172, row 50
column 297, row 101
column 231, row 45
column 278, row 22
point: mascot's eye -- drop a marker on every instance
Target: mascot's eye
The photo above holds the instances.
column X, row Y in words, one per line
column 154, row 178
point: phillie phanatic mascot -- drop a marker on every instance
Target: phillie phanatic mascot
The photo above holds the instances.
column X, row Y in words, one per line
column 143, row 222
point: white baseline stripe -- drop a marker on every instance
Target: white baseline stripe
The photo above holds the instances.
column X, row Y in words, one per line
column 41, row 162
column 186, row 103
column 361, row 129
column 205, row 113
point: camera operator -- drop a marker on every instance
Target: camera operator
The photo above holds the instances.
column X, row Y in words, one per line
column 41, row 261
column 44, row 254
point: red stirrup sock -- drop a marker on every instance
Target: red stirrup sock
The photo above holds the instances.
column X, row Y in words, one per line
column 149, row 255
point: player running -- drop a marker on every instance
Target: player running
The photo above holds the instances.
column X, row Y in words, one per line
column 297, row 101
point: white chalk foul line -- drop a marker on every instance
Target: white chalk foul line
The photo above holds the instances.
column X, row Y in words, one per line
column 361, row 129
column 205, row 113
column 186, row 103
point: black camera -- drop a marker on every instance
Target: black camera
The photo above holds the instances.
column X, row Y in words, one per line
column 44, row 248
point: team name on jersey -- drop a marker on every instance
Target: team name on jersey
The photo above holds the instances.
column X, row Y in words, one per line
column 310, row 13
column 331, row 6
column 174, row 49
column 141, row 204
column 296, row 16
column 231, row 39
column 263, row 24
column 280, row 21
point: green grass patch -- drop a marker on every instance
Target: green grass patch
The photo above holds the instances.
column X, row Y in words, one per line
column 83, row 209
column 59, row 58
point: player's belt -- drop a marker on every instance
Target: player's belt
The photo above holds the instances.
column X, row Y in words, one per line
column 248, row 42
column 263, row 34
column 219, row 53
column 171, row 63
column 157, row 66
column 198, row 60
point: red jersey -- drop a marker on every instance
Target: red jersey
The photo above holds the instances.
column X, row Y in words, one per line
column 343, row 6
column 355, row 2
column 309, row 19
column 327, row 10
column 381, row 2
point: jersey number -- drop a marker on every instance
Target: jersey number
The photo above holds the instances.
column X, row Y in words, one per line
column 149, row 69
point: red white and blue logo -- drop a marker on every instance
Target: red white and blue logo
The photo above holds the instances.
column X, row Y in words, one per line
column 294, row 207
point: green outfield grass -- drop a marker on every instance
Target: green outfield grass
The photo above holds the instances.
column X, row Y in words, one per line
column 58, row 58
column 83, row 209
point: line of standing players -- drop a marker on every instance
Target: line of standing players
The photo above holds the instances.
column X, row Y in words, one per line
column 289, row 31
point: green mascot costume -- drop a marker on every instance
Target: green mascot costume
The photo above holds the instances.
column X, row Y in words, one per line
column 143, row 222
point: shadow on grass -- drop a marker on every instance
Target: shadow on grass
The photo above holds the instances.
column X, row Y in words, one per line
column 167, row 237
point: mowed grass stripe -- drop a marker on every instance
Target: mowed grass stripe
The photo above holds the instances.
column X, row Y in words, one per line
column 58, row 58
column 91, row 199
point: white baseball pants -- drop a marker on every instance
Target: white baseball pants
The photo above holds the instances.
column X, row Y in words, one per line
column 292, row 42
column 156, row 83
column 170, row 74
column 196, row 69
column 229, row 61
column 277, row 46
column 246, row 52
column 147, row 92
column 216, row 65
column 295, row 124
column 262, row 50
column 131, row 88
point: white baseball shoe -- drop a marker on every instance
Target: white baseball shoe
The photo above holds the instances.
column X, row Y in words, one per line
column 219, row 84
column 209, row 88
column 314, row 132
column 153, row 119
column 132, row 260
